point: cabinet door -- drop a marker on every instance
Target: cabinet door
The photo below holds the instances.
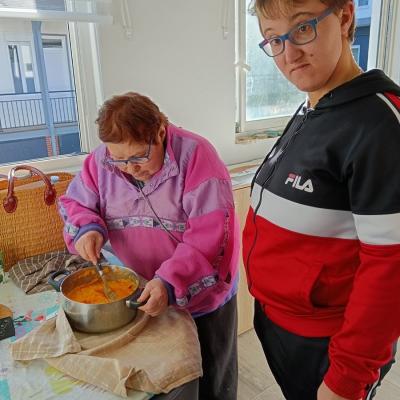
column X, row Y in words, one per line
column 245, row 300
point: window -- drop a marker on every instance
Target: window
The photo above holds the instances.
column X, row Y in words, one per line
column 43, row 70
column 49, row 43
column 265, row 100
column 21, row 67
column 38, row 119
column 266, row 89
column 361, row 44
column 355, row 49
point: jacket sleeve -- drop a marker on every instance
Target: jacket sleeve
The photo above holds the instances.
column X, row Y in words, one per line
column 79, row 207
column 371, row 324
column 205, row 259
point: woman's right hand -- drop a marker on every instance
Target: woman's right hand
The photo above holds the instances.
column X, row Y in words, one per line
column 89, row 245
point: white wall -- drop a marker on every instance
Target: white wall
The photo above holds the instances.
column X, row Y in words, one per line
column 178, row 57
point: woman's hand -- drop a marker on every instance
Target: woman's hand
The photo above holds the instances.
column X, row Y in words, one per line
column 157, row 295
column 324, row 393
column 89, row 245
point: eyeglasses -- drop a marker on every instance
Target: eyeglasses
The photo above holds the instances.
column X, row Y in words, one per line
column 132, row 160
column 301, row 34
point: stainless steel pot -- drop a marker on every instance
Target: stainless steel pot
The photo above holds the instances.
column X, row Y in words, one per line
column 96, row 318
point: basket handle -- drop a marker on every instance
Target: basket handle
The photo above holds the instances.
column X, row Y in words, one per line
column 11, row 201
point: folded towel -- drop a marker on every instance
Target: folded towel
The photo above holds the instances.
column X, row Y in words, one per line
column 31, row 274
column 149, row 354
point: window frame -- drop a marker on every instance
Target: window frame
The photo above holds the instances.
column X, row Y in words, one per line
column 83, row 43
column 384, row 53
column 385, row 38
column 18, row 44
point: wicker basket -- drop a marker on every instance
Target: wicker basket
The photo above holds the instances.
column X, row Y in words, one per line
column 29, row 226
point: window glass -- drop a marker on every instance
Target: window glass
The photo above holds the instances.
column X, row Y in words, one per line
column 266, row 94
column 356, row 53
column 361, row 39
column 36, row 124
column 362, row 3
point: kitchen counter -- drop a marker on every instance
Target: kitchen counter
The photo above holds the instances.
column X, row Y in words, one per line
column 243, row 173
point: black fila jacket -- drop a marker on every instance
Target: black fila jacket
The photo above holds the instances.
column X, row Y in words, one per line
column 321, row 245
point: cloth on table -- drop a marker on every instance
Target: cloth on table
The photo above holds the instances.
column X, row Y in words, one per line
column 149, row 354
column 31, row 274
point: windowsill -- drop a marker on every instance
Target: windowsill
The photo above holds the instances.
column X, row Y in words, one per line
column 71, row 164
column 242, row 174
column 251, row 137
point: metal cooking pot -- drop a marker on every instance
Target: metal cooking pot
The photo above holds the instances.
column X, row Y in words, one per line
column 96, row 318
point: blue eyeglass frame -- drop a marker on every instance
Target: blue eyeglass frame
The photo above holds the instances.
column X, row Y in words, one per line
column 313, row 22
column 133, row 159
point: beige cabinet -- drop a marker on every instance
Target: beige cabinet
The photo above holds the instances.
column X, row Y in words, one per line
column 245, row 300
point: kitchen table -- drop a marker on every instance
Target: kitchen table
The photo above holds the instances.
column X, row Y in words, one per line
column 37, row 380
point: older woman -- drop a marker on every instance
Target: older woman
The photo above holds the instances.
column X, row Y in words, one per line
column 163, row 198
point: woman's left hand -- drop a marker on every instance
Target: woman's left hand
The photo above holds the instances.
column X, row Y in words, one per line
column 324, row 393
column 157, row 297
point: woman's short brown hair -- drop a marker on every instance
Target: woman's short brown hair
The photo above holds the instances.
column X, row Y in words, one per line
column 130, row 117
column 275, row 8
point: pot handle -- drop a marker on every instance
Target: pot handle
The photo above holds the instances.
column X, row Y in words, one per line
column 56, row 284
column 132, row 303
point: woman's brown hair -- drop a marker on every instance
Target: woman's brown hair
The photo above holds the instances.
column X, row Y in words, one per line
column 130, row 117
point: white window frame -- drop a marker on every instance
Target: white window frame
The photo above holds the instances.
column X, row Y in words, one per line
column 384, row 48
column 384, row 53
column 88, row 86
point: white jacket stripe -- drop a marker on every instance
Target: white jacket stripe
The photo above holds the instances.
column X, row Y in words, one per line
column 391, row 106
column 304, row 219
column 378, row 229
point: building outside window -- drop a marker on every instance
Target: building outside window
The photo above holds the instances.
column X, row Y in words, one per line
column 363, row 15
column 363, row 3
column 355, row 49
column 24, row 132
column 39, row 96
column 22, row 67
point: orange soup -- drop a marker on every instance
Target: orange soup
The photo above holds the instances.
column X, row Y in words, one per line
column 93, row 293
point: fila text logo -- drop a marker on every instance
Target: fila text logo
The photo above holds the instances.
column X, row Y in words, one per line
column 294, row 179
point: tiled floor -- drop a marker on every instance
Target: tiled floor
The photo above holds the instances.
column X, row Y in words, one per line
column 257, row 383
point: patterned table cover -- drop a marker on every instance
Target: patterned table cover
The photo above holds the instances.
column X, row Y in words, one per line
column 36, row 380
